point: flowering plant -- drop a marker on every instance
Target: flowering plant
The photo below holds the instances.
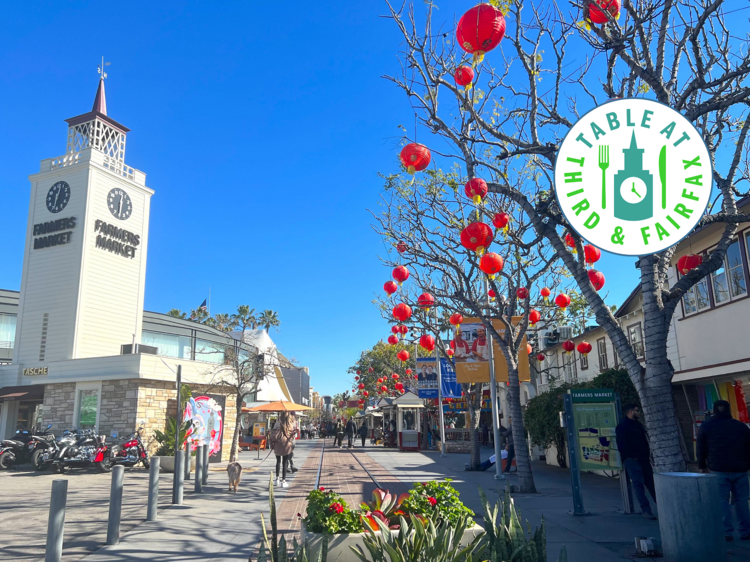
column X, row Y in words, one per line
column 327, row 512
column 437, row 500
column 384, row 506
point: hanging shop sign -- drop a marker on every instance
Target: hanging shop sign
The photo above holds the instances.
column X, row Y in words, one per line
column 471, row 353
column 50, row 234
column 633, row 177
column 116, row 240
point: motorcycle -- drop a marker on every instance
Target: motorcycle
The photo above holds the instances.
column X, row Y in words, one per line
column 42, row 448
column 129, row 451
column 76, row 449
column 20, row 450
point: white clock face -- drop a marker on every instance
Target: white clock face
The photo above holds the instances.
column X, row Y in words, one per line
column 119, row 204
column 633, row 190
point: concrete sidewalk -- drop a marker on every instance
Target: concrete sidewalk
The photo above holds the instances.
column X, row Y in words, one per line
column 606, row 535
column 216, row 525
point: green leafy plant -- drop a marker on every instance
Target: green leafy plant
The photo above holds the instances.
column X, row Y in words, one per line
column 438, row 501
column 165, row 438
column 422, row 542
column 275, row 549
column 327, row 512
column 384, row 506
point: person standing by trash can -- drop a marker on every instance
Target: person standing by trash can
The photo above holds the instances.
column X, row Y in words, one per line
column 632, row 443
column 724, row 447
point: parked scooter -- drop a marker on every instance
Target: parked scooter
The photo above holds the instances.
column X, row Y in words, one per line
column 19, row 450
column 129, row 451
column 77, row 449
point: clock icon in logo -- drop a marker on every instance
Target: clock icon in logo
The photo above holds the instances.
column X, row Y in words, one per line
column 633, row 190
column 119, row 204
column 58, row 197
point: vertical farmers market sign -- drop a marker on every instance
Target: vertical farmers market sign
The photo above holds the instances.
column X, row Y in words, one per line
column 633, row 177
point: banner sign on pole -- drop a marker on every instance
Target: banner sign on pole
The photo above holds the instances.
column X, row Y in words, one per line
column 450, row 387
column 427, row 377
column 471, row 353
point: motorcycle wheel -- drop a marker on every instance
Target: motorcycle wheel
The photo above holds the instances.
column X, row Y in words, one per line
column 105, row 465
column 6, row 460
column 37, row 462
column 146, row 463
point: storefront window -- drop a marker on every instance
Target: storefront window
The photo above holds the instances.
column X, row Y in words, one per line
column 88, row 405
column 209, row 351
column 696, row 299
column 7, row 331
column 168, row 345
column 601, row 348
column 735, row 272
column 635, row 336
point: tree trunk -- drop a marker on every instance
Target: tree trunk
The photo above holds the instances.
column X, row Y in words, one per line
column 523, row 459
column 236, row 437
column 475, row 408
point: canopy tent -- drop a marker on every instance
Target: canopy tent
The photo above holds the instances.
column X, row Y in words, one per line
column 279, row 406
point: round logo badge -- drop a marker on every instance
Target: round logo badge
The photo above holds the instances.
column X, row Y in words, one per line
column 633, row 177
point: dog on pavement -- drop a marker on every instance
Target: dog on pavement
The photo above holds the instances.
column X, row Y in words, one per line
column 234, row 470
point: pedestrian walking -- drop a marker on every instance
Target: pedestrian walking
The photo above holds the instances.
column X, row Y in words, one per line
column 724, row 448
column 351, row 429
column 293, row 468
column 282, row 437
column 339, row 432
column 509, row 446
column 363, row 432
column 632, row 443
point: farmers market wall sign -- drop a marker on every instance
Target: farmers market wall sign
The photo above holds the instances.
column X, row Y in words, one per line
column 633, row 177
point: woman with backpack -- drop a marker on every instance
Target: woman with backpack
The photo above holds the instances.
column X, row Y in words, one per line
column 282, row 440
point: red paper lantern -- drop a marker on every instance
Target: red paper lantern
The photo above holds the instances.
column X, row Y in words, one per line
column 596, row 278
column 562, row 300
column 592, row 254
column 393, row 340
column 529, row 349
column 399, row 386
column 534, row 317
column 480, row 30
column 540, row 357
column 361, row 386
column 570, row 242
column 365, row 393
column 464, row 76
column 456, row 320
column 383, row 388
column 449, row 352
column 370, row 370
column 596, row 9
column 492, row 294
column 491, row 263
column 408, row 371
column 403, row 329
column 545, row 293
column 427, row 342
column 403, row 355
column 401, row 246
column 501, row 220
column 400, row 273
column 522, row 293
column 688, row 263
column 476, row 237
column 394, row 376
column 476, row 189
column 402, row 312
column 356, row 378
column 395, row 329
column 584, row 348
column 568, row 346
column 425, row 300
column 415, row 157
column 390, row 287
column 380, row 380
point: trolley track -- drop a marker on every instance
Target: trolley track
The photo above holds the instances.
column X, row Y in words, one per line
column 353, row 455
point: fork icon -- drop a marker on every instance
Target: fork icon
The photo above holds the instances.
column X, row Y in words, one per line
column 604, row 164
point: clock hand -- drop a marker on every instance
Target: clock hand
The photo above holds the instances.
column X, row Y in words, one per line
column 634, row 191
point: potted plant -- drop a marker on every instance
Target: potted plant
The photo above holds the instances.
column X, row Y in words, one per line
column 165, row 439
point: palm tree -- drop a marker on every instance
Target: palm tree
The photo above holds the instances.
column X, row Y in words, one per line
column 177, row 313
column 269, row 318
column 245, row 318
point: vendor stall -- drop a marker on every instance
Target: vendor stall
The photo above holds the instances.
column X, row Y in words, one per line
column 409, row 421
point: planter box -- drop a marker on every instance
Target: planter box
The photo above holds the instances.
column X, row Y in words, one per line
column 339, row 545
column 166, row 464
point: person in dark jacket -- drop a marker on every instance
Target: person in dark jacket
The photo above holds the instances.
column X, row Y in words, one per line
column 339, row 430
column 363, row 432
column 632, row 442
column 350, row 430
column 724, row 447
column 509, row 446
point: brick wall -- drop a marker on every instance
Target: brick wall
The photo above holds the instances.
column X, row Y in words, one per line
column 59, row 400
column 118, row 407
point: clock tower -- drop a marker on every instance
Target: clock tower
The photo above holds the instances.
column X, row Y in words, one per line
column 84, row 268
column 634, row 187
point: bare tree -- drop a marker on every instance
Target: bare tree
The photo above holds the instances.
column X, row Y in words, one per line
column 510, row 125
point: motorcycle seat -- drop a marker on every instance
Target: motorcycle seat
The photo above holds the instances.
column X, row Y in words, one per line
column 13, row 442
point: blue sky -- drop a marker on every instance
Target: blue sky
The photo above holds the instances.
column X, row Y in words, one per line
column 261, row 126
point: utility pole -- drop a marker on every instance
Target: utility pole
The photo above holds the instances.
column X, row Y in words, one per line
column 493, row 395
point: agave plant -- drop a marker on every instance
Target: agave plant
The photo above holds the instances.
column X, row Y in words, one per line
column 385, row 507
column 422, row 542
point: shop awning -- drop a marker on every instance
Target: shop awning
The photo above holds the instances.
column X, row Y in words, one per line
column 29, row 392
column 410, row 405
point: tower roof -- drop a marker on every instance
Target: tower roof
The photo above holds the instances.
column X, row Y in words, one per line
column 633, row 144
column 99, row 110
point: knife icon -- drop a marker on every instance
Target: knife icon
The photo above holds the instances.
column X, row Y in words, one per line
column 663, row 175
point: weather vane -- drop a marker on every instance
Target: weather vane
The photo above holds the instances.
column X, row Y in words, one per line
column 101, row 68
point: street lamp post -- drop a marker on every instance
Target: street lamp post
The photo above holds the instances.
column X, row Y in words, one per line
column 440, row 394
column 493, row 395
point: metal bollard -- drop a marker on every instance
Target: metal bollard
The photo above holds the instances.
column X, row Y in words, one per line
column 115, row 505
column 206, row 448
column 179, row 473
column 153, row 489
column 187, row 461
column 199, row 468
column 56, row 523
